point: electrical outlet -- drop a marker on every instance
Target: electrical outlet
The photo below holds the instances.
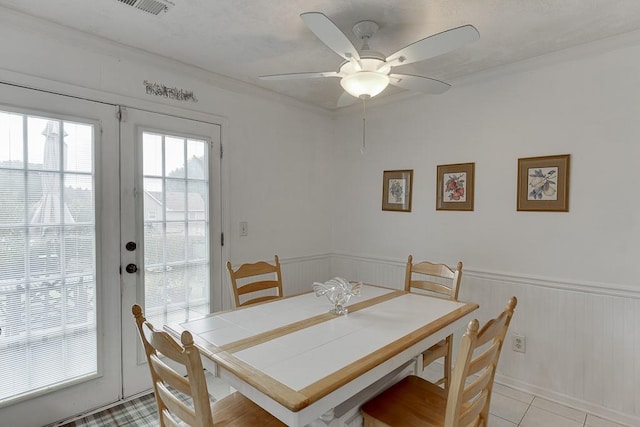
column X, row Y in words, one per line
column 244, row 228
column 518, row 343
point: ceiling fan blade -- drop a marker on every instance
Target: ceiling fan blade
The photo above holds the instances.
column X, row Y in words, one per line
column 419, row 83
column 345, row 100
column 291, row 76
column 330, row 34
column 434, row 45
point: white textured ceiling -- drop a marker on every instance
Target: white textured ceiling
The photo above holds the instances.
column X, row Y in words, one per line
column 244, row 39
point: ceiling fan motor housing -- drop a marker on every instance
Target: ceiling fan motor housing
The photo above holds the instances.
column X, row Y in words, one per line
column 365, row 29
column 373, row 62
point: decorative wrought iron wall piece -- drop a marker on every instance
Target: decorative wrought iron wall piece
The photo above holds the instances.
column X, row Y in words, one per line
column 158, row 89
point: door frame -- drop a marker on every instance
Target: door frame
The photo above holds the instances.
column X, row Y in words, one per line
column 136, row 378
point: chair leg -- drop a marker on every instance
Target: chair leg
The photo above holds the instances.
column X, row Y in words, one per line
column 447, row 363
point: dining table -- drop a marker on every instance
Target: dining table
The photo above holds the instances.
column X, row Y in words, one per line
column 310, row 367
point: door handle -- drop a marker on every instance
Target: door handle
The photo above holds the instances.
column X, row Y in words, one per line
column 131, row 268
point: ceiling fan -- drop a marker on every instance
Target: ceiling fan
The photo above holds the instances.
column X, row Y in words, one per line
column 365, row 73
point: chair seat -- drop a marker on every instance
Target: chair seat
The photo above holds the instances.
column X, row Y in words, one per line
column 434, row 352
column 411, row 402
column 236, row 410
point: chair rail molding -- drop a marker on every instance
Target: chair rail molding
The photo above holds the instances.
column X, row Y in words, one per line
column 595, row 288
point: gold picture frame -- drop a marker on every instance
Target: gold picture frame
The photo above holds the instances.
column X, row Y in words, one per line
column 543, row 183
column 396, row 190
column 454, row 188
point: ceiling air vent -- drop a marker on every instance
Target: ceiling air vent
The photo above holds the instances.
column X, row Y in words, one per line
column 155, row 7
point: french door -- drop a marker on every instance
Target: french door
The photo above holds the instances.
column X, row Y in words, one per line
column 96, row 214
column 170, row 226
column 59, row 257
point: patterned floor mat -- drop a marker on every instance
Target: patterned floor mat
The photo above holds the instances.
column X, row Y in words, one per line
column 136, row 412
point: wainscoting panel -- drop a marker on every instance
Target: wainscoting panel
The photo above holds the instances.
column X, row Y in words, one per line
column 582, row 339
column 298, row 274
column 374, row 271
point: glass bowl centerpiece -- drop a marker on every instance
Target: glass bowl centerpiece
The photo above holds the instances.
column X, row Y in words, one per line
column 338, row 291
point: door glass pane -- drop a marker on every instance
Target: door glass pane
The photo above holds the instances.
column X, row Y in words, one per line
column 176, row 222
column 47, row 252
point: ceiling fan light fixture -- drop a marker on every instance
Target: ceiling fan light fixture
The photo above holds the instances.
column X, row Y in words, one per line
column 365, row 84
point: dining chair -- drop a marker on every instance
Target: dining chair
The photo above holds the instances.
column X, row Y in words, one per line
column 415, row 401
column 185, row 400
column 441, row 280
column 245, row 280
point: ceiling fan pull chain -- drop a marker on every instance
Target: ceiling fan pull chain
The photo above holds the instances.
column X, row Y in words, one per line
column 364, row 125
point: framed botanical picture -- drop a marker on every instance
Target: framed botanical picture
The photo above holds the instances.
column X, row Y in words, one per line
column 396, row 190
column 454, row 190
column 543, row 183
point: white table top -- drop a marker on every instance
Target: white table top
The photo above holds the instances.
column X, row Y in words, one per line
column 296, row 353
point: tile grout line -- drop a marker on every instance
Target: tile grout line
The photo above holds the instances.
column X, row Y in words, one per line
column 525, row 412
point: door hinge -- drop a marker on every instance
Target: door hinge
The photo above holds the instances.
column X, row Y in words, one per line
column 221, row 150
column 121, row 114
column 221, row 239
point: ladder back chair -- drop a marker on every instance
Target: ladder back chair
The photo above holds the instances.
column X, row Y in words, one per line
column 242, row 284
column 184, row 401
column 441, row 280
column 415, row 401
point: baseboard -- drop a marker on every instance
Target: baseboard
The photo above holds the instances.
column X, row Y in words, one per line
column 571, row 402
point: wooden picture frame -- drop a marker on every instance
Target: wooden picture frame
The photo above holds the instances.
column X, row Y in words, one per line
column 396, row 190
column 454, row 188
column 543, row 183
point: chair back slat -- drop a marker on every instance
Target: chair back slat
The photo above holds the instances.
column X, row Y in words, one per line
column 169, row 376
column 426, row 285
column 431, row 269
column 492, row 329
column 241, row 287
column 471, row 416
column 163, row 343
column 437, row 278
column 259, row 300
column 170, row 406
column 255, row 269
column 257, row 286
column 483, row 360
column 477, row 385
column 175, row 406
column 168, row 421
column 468, row 401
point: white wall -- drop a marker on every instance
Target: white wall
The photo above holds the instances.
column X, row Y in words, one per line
column 276, row 151
column 576, row 273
